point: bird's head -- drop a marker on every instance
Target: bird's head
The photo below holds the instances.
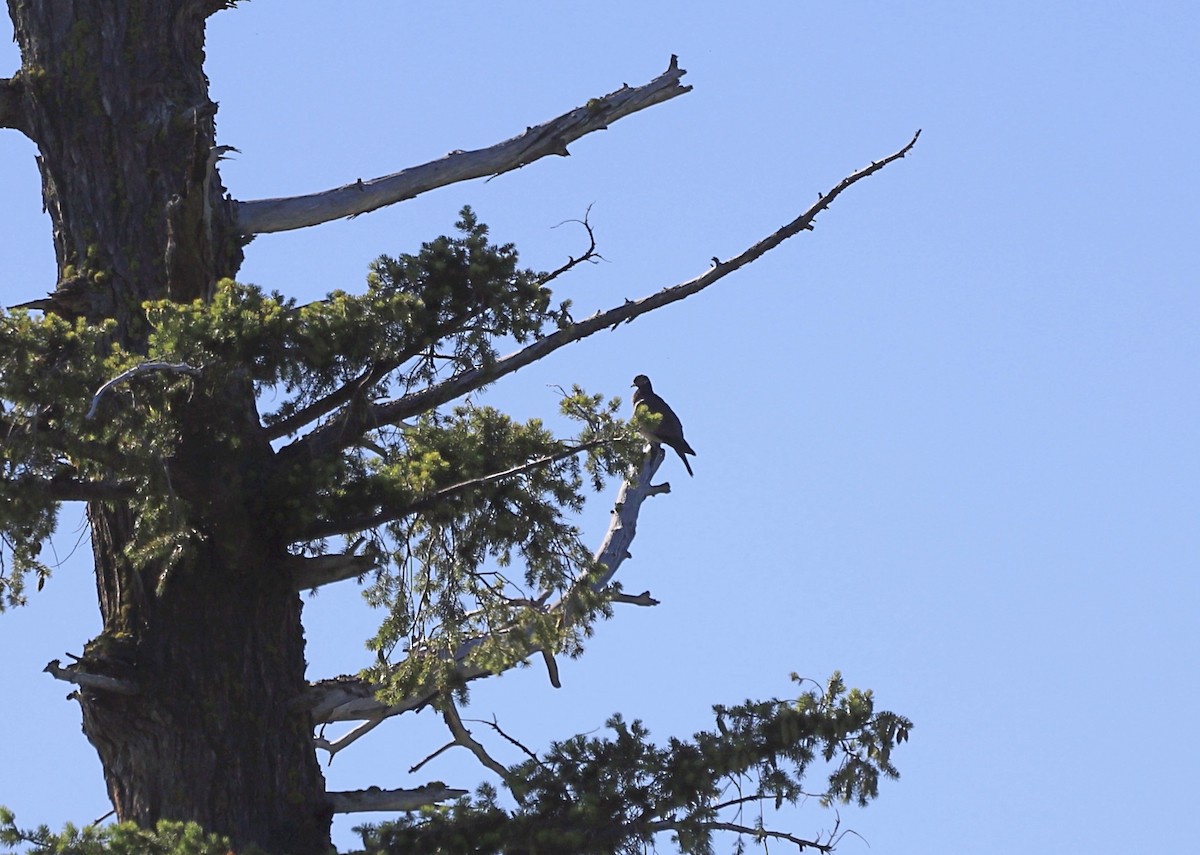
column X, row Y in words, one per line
column 641, row 381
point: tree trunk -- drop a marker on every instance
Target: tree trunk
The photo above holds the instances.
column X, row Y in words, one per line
column 115, row 97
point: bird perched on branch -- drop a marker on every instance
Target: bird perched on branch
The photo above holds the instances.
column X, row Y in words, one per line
column 76, row 296
column 669, row 430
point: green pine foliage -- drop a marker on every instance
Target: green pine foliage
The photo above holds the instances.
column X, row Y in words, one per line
column 423, row 317
column 49, row 368
column 614, row 794
column 468, row 514
column 166, row 838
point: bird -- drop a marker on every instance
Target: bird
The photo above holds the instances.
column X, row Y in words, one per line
column 669, row 430
column 76, row 296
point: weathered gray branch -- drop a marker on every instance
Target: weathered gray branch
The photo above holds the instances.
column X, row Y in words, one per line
column 128, row 374
column 326, row 569
column 347, row 739
column 89, row 681
column 12, row 105
column 343, row 431
column 352, row 699
column 553, row 137
column 375, row 799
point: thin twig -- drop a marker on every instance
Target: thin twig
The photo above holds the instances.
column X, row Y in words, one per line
column 590, row 255
column 494, row 725
column 757, row 833
column 417, row 766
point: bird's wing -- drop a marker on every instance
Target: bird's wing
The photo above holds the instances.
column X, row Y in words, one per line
column 670, row 424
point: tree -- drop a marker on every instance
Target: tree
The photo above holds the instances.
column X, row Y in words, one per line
column 137, row 386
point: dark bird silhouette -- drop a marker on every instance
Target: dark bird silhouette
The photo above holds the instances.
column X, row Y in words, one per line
column 75, row 297
column 669, row 430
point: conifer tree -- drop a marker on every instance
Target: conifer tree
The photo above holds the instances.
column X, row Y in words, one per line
column 235, row 447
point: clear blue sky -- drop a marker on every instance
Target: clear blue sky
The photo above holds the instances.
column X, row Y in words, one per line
column 947, row 442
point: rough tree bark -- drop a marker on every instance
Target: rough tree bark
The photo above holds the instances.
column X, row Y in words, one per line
column 115, row 97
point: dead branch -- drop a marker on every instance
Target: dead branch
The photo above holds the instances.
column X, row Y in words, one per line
column 326, row 569
column 495, row 725
column 551, row 668
column 642, row 599
column 136, row 371
column 590, row 255
column 412, row 770
column 85, row 680
column 348, row 739
column 343, row 431
column 752, row 831
column 553, row 137
column 375, row 799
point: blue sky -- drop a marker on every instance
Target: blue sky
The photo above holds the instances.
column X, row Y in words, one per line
column 947, row 442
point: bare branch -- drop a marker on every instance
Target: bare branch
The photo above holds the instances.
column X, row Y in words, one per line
column 412, row 770
column 348, row 739
column 12, row 105
column 345, row 698
column 622, row 526
column 463, row 737
column 589, row 255
column 553, row 137
column 137, row 370
column 89, row 681
column 642, row 599
column 757, row 833
column 341, row 432
column 375, row 799
column 495, row 725
column 551, row 668
column 326, row 569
